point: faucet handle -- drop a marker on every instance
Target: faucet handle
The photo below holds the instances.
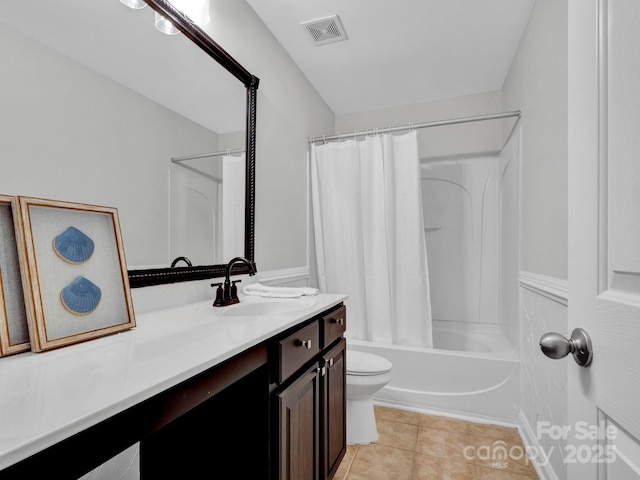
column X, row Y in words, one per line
column 234, row 290
column 219, row 301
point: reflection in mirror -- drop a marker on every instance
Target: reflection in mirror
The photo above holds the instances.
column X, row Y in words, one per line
column 95, row 104
column 207, row 195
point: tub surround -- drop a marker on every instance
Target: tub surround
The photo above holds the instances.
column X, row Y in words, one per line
column 49, row 397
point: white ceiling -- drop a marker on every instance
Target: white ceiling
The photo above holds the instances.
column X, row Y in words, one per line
column 402, row 51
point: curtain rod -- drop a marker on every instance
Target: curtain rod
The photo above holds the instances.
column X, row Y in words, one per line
column 411, row 126
column 231, row 151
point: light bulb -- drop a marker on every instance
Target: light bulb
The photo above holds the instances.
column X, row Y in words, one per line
column 165, row 26
column 135, row 4
column 196, row 10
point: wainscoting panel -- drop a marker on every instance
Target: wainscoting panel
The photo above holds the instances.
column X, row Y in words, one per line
column 543, row 308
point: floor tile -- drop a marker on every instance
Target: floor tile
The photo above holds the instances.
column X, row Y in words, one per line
column 341, row 473
column 426, row 467
column 379, row 462
column 355, row 476
column 397, row 435
column 496, row 432
column 414, row 446
column 444, row 423
column 502, row 454
column 494, row 474
column 349, row 454
column 440, row 443
column 396, row 415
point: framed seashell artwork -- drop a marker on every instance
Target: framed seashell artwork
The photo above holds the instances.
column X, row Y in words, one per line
column 73, row 246
column 78, row 273
column 14, row 331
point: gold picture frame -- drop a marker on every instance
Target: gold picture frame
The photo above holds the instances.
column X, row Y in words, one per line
column 75, row 263
column 14, row 330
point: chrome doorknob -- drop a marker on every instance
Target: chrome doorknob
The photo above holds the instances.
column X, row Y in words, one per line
column 554, row 345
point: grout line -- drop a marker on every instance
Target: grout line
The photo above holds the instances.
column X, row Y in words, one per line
column 348, row 469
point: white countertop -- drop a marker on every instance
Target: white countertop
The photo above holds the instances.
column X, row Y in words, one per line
column 49, row 396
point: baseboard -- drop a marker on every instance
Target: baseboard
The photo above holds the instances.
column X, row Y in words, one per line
column 543, row 468
column 550, row 287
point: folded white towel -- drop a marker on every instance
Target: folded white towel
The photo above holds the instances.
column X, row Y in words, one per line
column 278, row 292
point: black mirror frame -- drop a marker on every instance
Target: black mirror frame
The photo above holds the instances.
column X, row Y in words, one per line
column 159, row 276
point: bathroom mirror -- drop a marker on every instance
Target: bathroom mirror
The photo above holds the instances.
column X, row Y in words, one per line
column 95, row 105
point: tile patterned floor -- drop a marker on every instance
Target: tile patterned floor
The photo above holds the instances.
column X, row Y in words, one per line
column 416, row 446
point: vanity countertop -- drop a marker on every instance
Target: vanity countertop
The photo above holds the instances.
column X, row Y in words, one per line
column 49, row 396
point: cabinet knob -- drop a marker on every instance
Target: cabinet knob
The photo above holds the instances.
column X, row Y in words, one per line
column 322, row 371
column 339, row 321
column 306, row 344
column 330, row 362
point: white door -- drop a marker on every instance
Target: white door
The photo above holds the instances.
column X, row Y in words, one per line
column 604, row 238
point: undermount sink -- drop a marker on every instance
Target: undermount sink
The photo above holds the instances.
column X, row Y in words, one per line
column 258, row 307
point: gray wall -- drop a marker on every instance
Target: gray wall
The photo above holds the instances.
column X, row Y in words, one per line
column 69, row 133
column 289, row 111
column 438, row 142
column 537, row 84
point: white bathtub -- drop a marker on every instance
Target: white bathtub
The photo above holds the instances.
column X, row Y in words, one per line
column 472, row 373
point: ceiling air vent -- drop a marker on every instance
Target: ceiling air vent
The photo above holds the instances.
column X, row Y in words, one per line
column 325, row 30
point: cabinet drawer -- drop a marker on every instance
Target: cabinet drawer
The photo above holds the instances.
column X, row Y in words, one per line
column 333, row 326
column 297, row 349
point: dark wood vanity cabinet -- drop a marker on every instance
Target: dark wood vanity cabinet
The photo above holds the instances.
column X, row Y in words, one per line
column 297, row 431
column 308, row 399
column 334, row 409
column 274, row 411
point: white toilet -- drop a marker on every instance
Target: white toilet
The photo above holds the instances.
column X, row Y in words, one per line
column 366, row 374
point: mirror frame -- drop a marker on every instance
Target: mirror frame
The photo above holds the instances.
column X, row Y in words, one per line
column 159, row 276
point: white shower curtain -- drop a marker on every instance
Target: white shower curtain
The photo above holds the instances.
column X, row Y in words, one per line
column 369, row 235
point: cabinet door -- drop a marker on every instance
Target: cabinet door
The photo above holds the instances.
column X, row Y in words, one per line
column 299, row 428
column 334, row 409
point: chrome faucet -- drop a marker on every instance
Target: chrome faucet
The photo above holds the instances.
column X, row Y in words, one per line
column 229, row 294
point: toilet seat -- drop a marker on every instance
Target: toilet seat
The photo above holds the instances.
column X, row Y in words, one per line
column 365, row 364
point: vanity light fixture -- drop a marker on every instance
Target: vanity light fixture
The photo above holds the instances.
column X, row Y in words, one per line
column 135, row 4
column 196, row 10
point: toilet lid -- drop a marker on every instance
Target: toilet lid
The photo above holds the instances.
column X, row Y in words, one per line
column 362, row 363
